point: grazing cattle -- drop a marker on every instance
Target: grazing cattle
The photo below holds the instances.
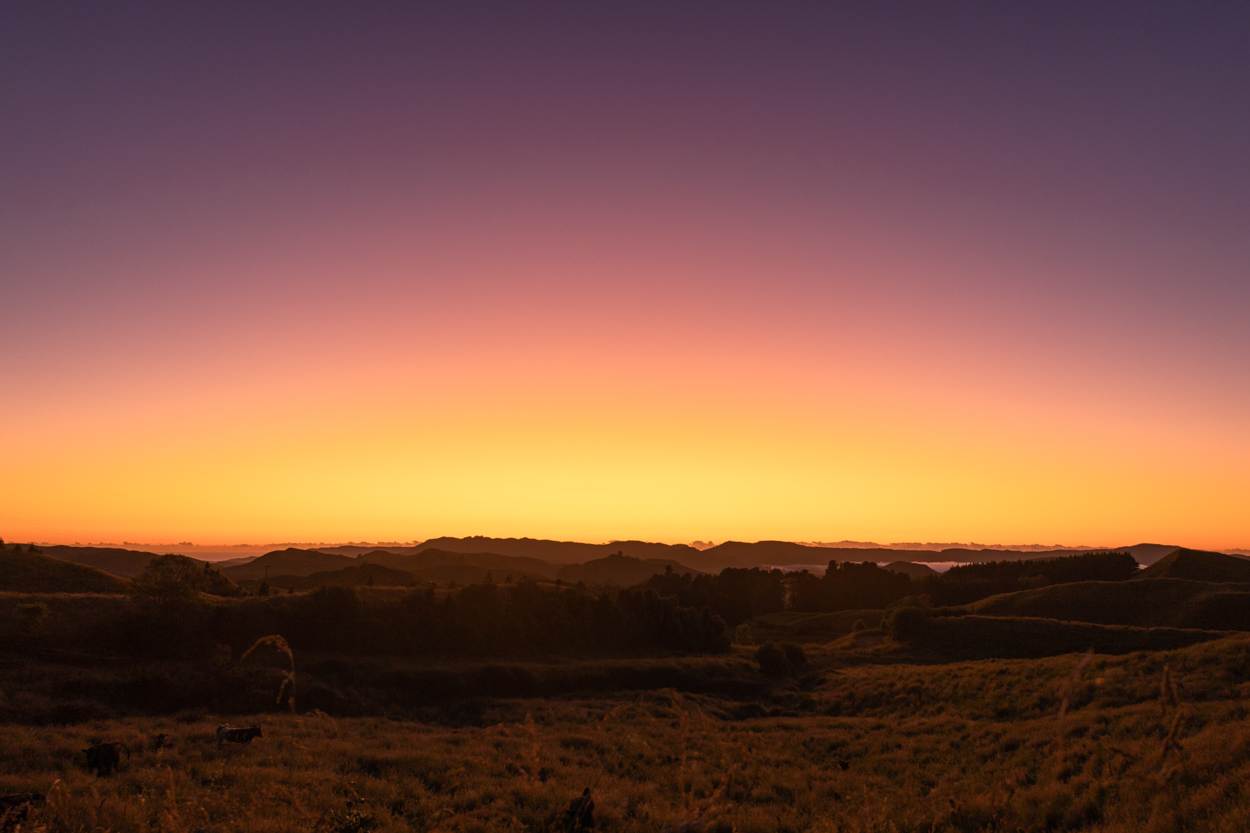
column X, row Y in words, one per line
column 581, row 813
column 236, row 734
column 104, row 757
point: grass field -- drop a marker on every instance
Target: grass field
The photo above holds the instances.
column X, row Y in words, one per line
column 1140, row 742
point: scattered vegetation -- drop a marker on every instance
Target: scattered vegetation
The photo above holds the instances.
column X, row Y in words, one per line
column 1070, row 705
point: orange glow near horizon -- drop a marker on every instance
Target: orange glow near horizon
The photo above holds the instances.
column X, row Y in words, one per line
column 804, row 274
column 709, row 432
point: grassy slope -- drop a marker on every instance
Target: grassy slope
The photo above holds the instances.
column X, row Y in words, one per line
column 799, row 626
column 119, row 562
column 965, row 747
column 1145, row 602
column 1200, row 566
column 35, row 573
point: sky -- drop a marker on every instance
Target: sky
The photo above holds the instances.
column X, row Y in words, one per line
column 674, row 271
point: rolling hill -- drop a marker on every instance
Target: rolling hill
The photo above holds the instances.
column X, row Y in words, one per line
column 357, row 575
column 1199, row 565
column 120, row 562
column 288, row 562
column 441, row 565
column 1140, row 602
column 621, row 570
column 562, row 552
column 27, row 572
column 911, row 569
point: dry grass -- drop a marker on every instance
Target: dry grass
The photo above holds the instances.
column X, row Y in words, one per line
column 666, row 761
column 654, row 771
column 1146, row 742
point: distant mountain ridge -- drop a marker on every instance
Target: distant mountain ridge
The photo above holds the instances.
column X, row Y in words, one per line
column 470, row 558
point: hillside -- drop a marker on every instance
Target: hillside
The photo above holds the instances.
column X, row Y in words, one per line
column 1022, row 636
column 357, row 575
column 621, row 570
column 910, row 569
column 1144, row 602
column 562, row 552
column 120, row 562
column 441, row 565
column 27, row 572
column 288, row 562
column 1198, row 565
column 1148, row 554
column 782, row 553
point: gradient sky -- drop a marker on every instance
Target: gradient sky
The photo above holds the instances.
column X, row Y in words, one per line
column 672, row 271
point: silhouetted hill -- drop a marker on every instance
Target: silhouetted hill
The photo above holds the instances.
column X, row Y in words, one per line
column 910, row 569
column 235, row 562
column 289, row 562
column 358, row 575
column 784, row 553
column 1200, row 566
column 462, row 567
column 734, row 553
column 1142, row 602
column 562, row 552
column 1148, row 554
column 26, row 572
column 622, row 570
column 120, row 562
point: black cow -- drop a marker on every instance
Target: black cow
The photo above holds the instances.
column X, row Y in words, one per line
column 105, row 757
column 236, row 734
column 580, row 816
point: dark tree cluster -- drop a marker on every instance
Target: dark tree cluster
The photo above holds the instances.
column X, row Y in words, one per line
column 735, row 595
column 962, row 585
column 482, row 620
column 849, row 586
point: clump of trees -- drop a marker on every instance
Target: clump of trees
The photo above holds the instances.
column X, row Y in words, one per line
column 176, row 576
column 849, row 586
column 961, row 585
column 735, row 595
column 864, row 586
column 483, row 620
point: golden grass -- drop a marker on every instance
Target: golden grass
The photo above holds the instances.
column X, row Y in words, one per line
column 1145, row 742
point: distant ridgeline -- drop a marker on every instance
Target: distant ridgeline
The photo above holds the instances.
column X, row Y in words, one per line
column 427, row 600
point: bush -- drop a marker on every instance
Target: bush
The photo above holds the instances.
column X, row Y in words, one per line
column 779, row 661
column 795, row 656
column 906, row 624
column 773, row 661
column 179, row 577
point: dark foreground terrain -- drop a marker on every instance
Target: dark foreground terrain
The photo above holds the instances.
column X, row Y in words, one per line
column 1141, row 742
column 1089, row 705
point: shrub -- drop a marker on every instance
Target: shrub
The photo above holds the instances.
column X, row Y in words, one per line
column 176, row 576
column 795, row 656
column 906, row 624
column 772, row 660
